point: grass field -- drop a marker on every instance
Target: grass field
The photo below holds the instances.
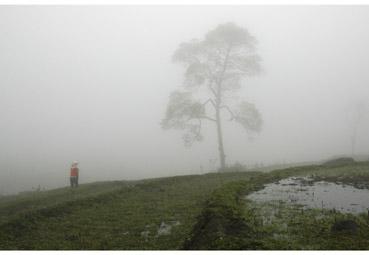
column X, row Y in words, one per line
column 183, row 212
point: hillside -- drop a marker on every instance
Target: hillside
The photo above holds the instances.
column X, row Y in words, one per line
column 181, row 212
column 113, row 215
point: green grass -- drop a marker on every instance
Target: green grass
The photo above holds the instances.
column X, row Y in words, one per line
column 229, row 222
column 114, row 218
column 13, row 206
column 204, row 212
column 291, row 228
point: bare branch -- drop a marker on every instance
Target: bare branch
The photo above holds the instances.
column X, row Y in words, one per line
column 207, row 101
column 207, row 118
column 229, row 110
column 211, row 88
column 200, row 118
column 225, row 64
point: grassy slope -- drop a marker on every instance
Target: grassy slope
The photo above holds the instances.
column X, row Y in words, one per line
column 109, row 216
column 230, row 222
column 15, row 205
column 209, row 208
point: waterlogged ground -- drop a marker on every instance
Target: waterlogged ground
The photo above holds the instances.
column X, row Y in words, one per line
column 300, row 213
column 320, row 195
column 285, row 226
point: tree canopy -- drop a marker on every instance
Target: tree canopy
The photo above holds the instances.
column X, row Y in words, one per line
column 215, row 68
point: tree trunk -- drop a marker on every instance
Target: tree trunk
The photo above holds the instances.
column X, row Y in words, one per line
column 353, row 144
column 217, row 112
column 220, row 138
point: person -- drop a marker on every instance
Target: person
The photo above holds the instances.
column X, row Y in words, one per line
column 74, row 174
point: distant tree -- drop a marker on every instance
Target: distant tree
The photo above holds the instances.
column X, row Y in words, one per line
column 215, row 68
column 356, row 115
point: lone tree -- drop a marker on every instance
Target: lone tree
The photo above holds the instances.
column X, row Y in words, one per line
column 215, row 68
column 356, row 114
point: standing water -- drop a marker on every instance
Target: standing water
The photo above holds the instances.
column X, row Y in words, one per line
column 309, row 194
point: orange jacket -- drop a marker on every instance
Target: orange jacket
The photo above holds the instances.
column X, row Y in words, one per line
column 74, row 171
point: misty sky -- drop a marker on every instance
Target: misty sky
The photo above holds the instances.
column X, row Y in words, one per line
column 92, row 83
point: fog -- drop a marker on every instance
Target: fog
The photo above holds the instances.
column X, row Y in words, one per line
column 92, row 84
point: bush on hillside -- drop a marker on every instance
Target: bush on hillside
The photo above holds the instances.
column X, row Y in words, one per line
column 343, row 161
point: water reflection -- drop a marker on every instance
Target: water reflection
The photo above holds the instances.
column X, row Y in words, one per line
column 310, row 194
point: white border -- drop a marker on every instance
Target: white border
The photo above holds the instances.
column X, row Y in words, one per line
column 184, row 2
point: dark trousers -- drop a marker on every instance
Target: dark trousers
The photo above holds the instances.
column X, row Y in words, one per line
column 74, row 181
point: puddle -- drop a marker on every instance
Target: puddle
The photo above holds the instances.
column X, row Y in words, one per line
column 309, row 194
column 145, row 234
column 166, row 228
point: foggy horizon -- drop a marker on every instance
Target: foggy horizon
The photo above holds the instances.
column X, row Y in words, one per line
column 92, row 84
